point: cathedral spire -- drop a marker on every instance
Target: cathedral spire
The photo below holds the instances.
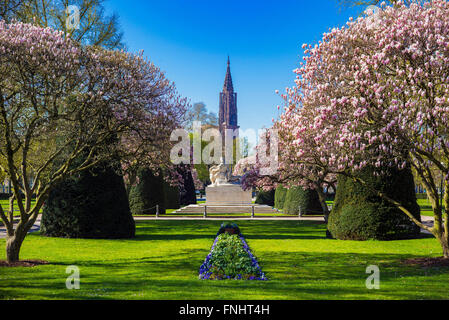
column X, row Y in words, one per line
column 228, row 87
column 228, row 104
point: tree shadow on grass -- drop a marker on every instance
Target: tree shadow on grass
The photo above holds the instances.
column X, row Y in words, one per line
column 177, row 237
column 293, row 275
column 269, row 230
column 171, row 237
column 174, row 275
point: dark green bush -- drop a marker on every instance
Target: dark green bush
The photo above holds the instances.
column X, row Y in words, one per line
column 359, row 214
column 147, row 193
column 307, row 199
column 188, row 194
column 279, row 197
column 265, row 198
column 93, row 204
column 171, row 196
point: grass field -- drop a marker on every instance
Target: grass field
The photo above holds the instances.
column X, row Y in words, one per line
column 5, row 206
column 162, row 262
column 426, row 208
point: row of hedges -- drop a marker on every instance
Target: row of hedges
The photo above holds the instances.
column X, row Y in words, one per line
column 265, row 198
column 95, row 204
column 279, row 197
column 306, row 199
column 147, row 193
column 358, row 212
column 290, row 200
column 153, row 190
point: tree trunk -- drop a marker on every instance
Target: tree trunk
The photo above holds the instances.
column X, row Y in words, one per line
column 445, row 231
column 13, row 245
column 322, row 198
column 445, row 249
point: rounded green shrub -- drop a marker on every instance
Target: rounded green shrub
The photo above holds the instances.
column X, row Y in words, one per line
column 307, row 199
column 147, row 193
column 92, row 205
column 265, row 198
column 279, row 197
column 360, row 214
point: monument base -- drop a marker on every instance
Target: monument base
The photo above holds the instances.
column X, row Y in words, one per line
column 227, row 195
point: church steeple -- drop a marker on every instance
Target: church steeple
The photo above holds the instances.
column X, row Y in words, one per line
column 228, row 87
column 228, row 104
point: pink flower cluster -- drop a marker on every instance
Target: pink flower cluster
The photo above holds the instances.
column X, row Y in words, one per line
column 372, row 93
column 70, row 99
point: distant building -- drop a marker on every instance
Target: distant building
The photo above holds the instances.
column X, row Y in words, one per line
column 227, row 118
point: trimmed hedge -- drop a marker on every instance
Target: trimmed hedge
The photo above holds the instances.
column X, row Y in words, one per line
column 359, row 214
column 265, row 198
column 171, row 196
column 153, row 190
column 188, row 194
column 92, row 205
column 307, row 199
column 147, row 193
column 279, row 197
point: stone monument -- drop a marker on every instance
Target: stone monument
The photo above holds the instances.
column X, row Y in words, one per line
column 225, row 189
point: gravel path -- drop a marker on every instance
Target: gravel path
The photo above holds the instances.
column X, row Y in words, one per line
column 36, row 227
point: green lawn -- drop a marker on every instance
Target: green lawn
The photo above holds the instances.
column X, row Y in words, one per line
column 5, row 206
column 426, row 207
column 163, row 262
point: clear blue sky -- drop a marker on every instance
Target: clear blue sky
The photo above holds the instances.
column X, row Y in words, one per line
column 191, row 39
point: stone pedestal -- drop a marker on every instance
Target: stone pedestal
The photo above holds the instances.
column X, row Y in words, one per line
column 227, row 195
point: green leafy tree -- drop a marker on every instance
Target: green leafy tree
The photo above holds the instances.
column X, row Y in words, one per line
column 95, row 26
column 199, row 112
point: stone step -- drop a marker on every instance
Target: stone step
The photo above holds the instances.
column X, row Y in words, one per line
column 199, row 209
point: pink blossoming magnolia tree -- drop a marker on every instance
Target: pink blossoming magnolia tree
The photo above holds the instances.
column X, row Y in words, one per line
column 301, row 161
column 60, row 102
column 375, row 93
